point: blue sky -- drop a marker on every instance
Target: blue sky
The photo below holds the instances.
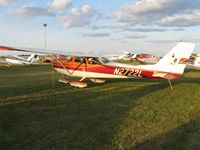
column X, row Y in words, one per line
column 152, row 26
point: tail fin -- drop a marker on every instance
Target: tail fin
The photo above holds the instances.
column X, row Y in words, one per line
column 175, row 61
column 30, row 58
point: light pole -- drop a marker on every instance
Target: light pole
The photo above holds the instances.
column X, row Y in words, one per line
column 45, row 35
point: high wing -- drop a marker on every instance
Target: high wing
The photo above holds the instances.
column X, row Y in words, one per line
column 7, row 48
column 48, row 51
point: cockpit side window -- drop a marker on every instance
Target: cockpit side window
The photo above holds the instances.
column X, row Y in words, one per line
column 93, row 60
column 78, row 59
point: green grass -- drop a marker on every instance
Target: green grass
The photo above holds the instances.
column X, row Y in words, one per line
column 119, row 114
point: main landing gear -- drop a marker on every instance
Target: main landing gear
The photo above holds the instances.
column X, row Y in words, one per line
column 80, row 83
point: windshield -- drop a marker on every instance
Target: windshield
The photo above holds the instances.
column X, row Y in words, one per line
column 104, row 60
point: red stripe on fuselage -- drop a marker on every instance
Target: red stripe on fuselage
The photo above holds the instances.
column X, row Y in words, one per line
column 95, row 68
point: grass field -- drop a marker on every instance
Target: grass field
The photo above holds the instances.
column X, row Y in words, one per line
column 119, row 114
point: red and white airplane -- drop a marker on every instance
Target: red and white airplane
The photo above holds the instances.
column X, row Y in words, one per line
column 147, row 59
column 171, row 66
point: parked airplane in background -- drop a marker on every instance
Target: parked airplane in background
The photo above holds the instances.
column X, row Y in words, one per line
column 194, row 64
column 121, row 56
column 21, row 60
column 147, row 59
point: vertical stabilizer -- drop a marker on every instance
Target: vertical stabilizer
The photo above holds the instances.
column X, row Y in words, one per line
column 175, row 60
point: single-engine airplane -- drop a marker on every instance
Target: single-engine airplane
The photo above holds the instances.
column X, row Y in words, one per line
column 171, row 66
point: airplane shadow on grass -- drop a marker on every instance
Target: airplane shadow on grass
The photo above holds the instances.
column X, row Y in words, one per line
column 85, row 118
column 79, row 120
column 152, row 86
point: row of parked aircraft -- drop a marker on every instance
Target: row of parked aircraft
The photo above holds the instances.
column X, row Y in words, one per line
column 142, row 58
column 33, row 58
column 98, row 69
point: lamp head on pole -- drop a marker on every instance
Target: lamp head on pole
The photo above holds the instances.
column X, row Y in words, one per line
column 45, row 25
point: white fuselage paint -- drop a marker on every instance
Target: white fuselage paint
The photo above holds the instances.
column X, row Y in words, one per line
column 88, row 74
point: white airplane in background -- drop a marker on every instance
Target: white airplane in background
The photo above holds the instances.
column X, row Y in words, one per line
column 195, row 64
column 121, row 56
column 20, row 60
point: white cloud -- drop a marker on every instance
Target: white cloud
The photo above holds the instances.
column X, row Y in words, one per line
column 96, row 34
column 6, row 1
column 175, row 39
column 78, row 17
column 157, row 12
column 86, row 9
column 60, row 4
column 145, row 29
column 32, row 12
column 182, row 20
column 135, row 36
column 142, row 6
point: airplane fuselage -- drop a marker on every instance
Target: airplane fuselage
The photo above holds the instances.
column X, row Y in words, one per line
column 110, row 70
